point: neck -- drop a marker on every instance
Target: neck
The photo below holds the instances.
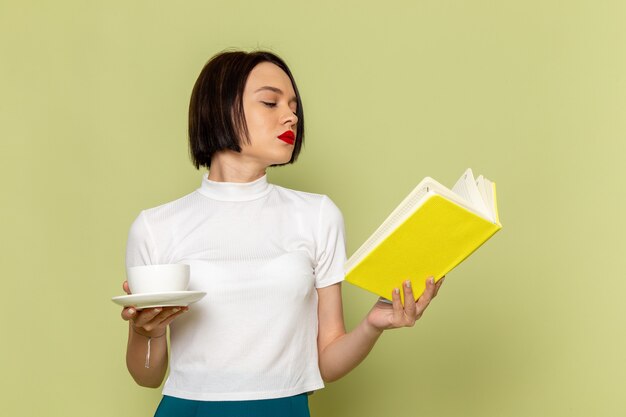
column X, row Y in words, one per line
column 230, row 166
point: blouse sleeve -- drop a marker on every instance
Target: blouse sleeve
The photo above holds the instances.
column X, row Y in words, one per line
column 140, row 247
column 331, row 246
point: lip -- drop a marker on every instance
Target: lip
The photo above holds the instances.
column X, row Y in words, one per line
column 288, row 136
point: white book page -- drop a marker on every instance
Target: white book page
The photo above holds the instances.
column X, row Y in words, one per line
column 466, row 188
column 485, row 188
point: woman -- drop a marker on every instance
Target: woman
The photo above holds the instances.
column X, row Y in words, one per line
column 270, row 329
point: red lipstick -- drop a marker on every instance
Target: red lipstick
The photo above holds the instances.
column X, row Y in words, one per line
column 288, row 137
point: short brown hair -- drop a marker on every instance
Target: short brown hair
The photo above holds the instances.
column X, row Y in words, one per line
column 216, row 113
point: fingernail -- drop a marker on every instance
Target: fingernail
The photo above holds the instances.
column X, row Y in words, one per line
column 408, row 283
column 432, row 280
column 396, row 290
column 157, row 310
column 175, row 310
column 131, row 311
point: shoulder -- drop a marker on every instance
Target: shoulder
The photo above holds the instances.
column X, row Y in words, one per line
column 320, row 203
column 303, row 196
column 172, row 210
column 323, row 211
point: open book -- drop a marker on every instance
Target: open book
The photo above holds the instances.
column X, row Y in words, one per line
column 428, row 234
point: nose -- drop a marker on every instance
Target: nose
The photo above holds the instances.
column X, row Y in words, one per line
column 290, row 118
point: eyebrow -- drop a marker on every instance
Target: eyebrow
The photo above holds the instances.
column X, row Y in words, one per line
column 278, row 91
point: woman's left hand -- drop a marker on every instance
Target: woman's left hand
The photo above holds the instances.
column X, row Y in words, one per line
column 385, row 316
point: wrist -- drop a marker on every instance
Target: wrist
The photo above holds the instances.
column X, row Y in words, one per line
column 370, row 329
column 148, row 335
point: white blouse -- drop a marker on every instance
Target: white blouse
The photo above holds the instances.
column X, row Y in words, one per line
column 259, row 251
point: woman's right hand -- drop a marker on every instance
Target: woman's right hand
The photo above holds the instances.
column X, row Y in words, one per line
column 151, row 322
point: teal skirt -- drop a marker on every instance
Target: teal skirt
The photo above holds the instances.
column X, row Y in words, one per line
column 295, row 406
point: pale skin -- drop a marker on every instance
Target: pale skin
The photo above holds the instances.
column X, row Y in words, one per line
column 268, row 114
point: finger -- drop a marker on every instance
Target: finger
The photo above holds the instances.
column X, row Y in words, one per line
column 126, row 287
column 438, row 285
column 157, row 321
column 145, row 316
column 128, row 313
column 167, row 321
column 410, row 309
column 426, row 296
column 398, row 310
column 165, row 314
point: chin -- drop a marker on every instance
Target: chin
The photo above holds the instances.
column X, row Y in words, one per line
column 282, row 160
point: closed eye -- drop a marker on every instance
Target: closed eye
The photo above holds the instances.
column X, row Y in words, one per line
column 268, row 104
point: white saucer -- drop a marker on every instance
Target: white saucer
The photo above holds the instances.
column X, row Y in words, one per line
column 159, row 299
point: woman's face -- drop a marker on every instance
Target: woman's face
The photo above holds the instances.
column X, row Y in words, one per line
column 269, row 104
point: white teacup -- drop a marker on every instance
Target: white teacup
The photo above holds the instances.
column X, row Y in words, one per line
column 157, row 278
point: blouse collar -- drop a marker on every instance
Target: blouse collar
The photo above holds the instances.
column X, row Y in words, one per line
column 234, row 191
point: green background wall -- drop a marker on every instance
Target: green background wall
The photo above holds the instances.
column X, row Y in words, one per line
column 531, row 94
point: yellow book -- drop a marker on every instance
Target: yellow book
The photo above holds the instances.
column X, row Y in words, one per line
column 428, row 234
